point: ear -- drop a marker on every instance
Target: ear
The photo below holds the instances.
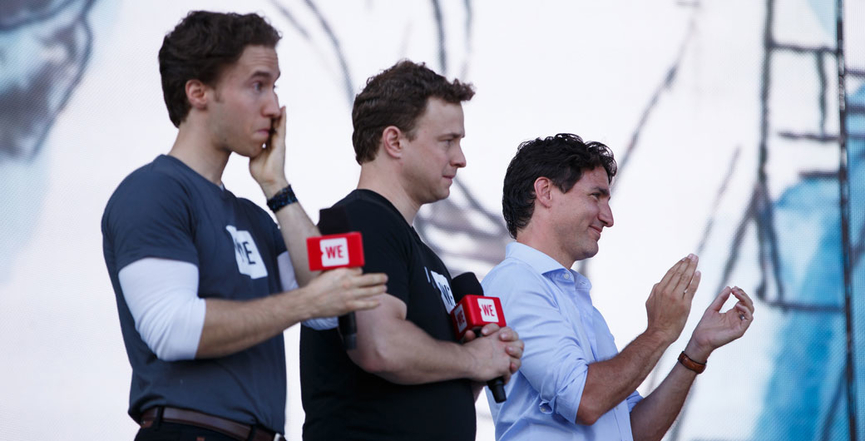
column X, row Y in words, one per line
column 544, row 191
column 196, row 93
column 391, row 140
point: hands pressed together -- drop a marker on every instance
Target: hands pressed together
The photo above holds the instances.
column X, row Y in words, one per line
column 497, row 354
column 669, row 304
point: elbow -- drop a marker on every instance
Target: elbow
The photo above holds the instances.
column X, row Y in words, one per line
column 377, row 360
column 165, row 350
column 587, row 414
column 173, row 338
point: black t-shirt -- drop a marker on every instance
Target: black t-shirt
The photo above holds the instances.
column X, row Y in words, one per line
column 341, row 400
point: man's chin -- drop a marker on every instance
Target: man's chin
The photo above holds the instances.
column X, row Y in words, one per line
column 251, row 152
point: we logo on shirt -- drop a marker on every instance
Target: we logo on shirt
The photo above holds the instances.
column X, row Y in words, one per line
column 249, row 260
column 441, row 282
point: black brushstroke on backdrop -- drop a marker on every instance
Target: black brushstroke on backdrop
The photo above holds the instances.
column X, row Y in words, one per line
column 337, row 48
column 719, row 196
column 333, row 41
column 760, row 208
column 440, row 27
column 844, row 206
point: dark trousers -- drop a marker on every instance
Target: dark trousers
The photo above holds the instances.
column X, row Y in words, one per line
column 165, row 431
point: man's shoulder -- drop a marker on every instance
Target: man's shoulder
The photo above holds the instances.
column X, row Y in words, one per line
column 514, row 280
column 511, row 269
column 156, row 190
column 154, row 177
column 370, row 212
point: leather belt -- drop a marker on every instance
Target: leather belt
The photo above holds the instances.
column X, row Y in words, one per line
column 222, row 425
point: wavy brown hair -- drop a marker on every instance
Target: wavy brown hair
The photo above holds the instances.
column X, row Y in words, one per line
column 398, row 97
column 201, row 46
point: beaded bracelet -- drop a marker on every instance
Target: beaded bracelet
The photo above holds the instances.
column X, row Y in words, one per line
column 281, row 199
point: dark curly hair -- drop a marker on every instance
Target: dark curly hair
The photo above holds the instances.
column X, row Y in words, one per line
column 562, row 158
column 200, row 48
column 398, row 97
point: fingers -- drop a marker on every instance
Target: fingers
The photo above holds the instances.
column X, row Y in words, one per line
column 685, row 276
column 508, row 334
column 371, row 279
column 670, row 273
column 679, row 276
column 740, row 294
column 744, row 314
column 720, row 299
column 506, row 348
column 489, row 328
column 277, row 137
column 515, row 350
column 469, row 336
column 364, row 303
column 693, row 286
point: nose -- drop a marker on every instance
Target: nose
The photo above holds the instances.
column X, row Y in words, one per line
column 271, row 106
column 459, row 159
column 606, row 215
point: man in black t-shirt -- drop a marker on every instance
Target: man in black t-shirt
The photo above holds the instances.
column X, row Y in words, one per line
column 205, row 282
column 408, row 379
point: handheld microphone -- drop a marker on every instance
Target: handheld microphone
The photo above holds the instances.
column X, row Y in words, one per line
column 473, row 311
column 338, row 247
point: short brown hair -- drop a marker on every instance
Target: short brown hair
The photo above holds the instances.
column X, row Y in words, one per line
column 562, row 158
column 200, row 48
column 398, row 97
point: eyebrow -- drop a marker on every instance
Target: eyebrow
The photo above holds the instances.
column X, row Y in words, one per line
column 604, row 191
column 452, row 135
column 263, row 74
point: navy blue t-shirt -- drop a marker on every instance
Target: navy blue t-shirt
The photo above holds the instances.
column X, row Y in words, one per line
column 166, row 210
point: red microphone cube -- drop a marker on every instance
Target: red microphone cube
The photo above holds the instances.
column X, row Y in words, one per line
column 335, row 251
column 475, row 311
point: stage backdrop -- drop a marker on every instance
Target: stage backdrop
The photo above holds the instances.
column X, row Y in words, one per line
column 724, row 117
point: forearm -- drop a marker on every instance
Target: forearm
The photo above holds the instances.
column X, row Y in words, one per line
column 402, row 353
column 233, row 326
column 653, row 416
column 610, row 382
column 296, row 227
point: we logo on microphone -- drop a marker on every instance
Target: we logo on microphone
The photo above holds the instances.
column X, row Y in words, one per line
column 460, row 319
column 335, row 251
column 488, row 310
column 474, row 312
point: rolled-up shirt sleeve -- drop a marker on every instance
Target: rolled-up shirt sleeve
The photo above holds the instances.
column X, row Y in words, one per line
column 553, row 362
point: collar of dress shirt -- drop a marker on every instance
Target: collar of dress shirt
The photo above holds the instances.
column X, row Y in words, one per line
column 543, row 263
column 539, row 261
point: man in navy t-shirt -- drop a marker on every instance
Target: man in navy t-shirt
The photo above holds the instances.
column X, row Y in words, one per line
column 206, row 282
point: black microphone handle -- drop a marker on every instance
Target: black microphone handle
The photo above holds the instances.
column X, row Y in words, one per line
column 497, row 387
column 348, row 329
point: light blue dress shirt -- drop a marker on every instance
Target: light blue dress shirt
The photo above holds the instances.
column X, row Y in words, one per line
column 550, row 307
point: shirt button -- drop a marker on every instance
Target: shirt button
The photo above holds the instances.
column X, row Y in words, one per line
column 545, row 408
column 567, row 276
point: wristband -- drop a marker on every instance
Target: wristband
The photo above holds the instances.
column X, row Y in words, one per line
column 690, row 364
column 281, row 199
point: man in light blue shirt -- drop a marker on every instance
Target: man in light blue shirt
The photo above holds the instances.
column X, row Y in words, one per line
column 573, row 383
